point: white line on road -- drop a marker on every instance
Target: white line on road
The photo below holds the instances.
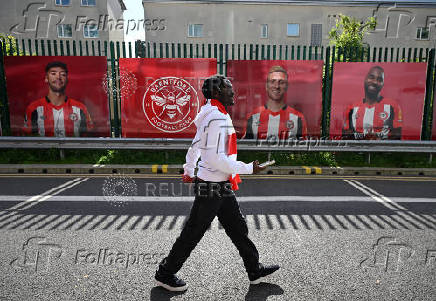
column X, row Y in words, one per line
column 32, row 201
column 401, row 211
column 48, row 193
column 294, row 198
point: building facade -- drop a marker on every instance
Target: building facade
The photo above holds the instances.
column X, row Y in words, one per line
column 284, row 22
column 77, row 20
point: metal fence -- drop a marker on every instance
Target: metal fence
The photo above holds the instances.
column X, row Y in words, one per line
column 222, row 52
column 310, row 145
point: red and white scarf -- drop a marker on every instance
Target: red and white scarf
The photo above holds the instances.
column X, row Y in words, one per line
column 232, row 149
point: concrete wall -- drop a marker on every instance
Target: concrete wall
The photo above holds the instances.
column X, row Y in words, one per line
column 114, row 9
column 240, row 23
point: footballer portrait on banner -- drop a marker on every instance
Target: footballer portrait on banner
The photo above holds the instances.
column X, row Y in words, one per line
column 61, row 96
column 276, row 99
column 377, row 101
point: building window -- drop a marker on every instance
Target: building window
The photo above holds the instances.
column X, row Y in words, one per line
column 264, row 31
column 195, row 30
column 316, row 35
column 65, row 31
column 293, row 30
column 90, row 31
column 422, row 33
column 63, row 2
column 88, row 2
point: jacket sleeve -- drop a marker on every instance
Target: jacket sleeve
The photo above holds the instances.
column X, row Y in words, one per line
column 214, row 151
column 192, row 155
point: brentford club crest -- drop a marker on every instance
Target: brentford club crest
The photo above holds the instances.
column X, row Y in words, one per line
column 170, row 104
column 73, row 117
column 383, row 116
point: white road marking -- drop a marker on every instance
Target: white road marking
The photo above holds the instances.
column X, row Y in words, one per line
column 294, row 198
column 403, row 212
column 29, row 202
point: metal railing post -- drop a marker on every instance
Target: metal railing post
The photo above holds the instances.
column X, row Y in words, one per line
column 429, row 96
column 114, row 89
column 4, row 112
column 325, row 97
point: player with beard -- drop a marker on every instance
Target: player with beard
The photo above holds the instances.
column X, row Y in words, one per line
column 276, row 118
column 56, row 114
column 376, row 117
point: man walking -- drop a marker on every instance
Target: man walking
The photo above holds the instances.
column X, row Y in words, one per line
column 217, row 178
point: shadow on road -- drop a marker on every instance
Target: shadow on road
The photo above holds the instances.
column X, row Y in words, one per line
column 271, row 215
column 160, row 294
column 259, row 292
column 262, row 291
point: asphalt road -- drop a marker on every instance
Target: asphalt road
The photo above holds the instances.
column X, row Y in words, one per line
column 100, row 238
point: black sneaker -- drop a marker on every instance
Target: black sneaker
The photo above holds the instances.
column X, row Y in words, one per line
column 258, row 277
column 170, row 282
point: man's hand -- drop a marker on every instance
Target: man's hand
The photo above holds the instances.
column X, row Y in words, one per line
column 256, row 167
column 187, row 179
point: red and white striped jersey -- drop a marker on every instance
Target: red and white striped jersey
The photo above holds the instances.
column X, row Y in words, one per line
column 263, row 123
column 71, row 119
column 378, row 119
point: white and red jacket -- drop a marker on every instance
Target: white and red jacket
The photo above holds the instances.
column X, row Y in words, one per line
column 215, row 143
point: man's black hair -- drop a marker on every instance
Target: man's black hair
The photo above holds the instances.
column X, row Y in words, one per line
column 212, row 84
column 378, row 68
column 56, row 64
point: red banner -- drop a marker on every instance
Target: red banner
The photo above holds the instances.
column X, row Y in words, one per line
column 59, row 96
column 276, row 98
column 161, row 97
column 377, row 101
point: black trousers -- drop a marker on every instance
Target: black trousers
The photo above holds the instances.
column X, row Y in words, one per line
column 212, row 199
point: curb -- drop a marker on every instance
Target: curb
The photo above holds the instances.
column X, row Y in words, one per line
column 29, row 169
column 89, row 169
